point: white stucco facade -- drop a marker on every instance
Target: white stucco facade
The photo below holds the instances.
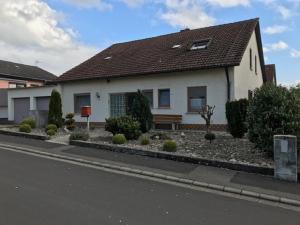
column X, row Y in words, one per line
column 246, row 79
column 32, row 93
column 242, row 79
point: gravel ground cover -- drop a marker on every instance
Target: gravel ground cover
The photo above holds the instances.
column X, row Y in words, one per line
column 192, row 143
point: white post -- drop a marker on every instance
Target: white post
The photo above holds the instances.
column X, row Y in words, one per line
column 88, row 123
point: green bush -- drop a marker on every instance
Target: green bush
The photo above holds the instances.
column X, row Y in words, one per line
column 51, row 132
column 141, row 111
column 51, row 127
column 124, row 125
column 236, row 114
column 170, row 146
column 25, row 128
column 79, row 135
column 55, row 109
column 210, row 137
column 70, row 115
column 70, row 122
column 144, row 140
column 119, row 139
column 274, row 110
column 30, row 121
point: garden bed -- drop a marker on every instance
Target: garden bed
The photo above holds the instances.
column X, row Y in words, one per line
column 193, row 144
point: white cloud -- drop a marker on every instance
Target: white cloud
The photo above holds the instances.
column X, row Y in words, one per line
column 229, row 3
column 186, row 14
column 295, row 53
column 30, row 33
column 284, row 11
column 281, row 45
column 280, row 7
column 276, row 29
column 99, row 4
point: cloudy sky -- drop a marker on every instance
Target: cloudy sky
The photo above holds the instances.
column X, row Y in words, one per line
column 59, row 34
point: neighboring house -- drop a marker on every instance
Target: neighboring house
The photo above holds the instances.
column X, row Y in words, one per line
column 15, row 75
column 179, row 73
column 271, row 73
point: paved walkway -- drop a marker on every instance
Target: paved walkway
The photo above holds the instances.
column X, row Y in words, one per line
column 219, row 176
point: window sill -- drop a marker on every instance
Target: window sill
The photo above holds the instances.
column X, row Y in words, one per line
column 192, row 113
column 164, row 107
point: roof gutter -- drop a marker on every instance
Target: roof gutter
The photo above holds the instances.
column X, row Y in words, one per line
column 228, row 84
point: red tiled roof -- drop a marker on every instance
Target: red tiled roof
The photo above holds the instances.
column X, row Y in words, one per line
column 270, row 73
column 156, row 55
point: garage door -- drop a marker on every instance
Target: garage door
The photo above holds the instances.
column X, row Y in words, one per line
column 42, row 103
column 21, row 109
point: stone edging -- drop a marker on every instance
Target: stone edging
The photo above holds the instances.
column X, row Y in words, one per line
column 221, row 188
column 26, row 135
column 177, row 157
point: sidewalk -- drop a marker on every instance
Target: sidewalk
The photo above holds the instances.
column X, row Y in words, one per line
column 217, row 176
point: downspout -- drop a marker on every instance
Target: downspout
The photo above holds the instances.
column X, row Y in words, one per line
column 228, row 84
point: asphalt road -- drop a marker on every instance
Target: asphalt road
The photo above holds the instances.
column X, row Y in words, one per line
column 38, row 191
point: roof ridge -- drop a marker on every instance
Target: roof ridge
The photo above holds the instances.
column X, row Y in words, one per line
column 178, row 32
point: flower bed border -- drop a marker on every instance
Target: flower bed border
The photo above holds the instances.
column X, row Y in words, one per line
column 25, row 135
column 177, row 157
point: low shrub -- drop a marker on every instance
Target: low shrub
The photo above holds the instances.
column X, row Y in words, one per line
column 210, row 137
column 51, row 127
column 170, row 146
column 144, row 140
column 25, row 128
column 119, row 139
column 51, row 132
column 70, row 115
column 30, row 121
column 124, row 125
column 236, row 114
column 80, row 135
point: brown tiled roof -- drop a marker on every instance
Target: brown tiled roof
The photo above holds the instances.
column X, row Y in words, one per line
column 24, row 72
column 156, row 55
column 270, row 73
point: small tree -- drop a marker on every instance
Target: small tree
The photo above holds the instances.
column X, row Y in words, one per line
column 206, row 113
column 55, row 109
column 236, row 114
column 141, row 111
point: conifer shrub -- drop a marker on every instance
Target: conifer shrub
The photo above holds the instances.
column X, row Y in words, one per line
column 55, row 109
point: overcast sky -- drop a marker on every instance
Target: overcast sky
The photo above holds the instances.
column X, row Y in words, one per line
column 59, row 34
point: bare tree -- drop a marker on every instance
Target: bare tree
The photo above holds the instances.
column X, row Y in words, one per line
column 206, row 113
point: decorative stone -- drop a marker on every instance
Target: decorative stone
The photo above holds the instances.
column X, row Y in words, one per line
column 285, row 157
column 182, row 134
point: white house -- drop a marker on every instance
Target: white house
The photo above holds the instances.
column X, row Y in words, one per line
column 178, row 72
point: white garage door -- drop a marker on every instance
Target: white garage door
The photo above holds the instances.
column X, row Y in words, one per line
column 21, row 109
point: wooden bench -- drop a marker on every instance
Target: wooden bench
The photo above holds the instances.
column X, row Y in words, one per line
column 174, row 120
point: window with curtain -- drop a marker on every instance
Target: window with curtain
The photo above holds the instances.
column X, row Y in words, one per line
column 164, row 98
column 117, row 105
column 81, row 100
column 196, row 98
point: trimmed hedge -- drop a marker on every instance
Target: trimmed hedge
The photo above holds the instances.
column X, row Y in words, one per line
column 274, row 110
column 210, row 137
column 236, row 114
column 51, row 127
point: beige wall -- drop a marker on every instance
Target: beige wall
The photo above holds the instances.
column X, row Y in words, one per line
column 244, row 78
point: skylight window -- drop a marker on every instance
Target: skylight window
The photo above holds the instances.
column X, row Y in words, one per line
column 176, row 46
column 199, row 45
column 108, row 57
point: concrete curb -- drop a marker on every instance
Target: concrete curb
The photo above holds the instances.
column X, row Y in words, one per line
column 178, row 157
column 221, row 188
column 25, row 135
